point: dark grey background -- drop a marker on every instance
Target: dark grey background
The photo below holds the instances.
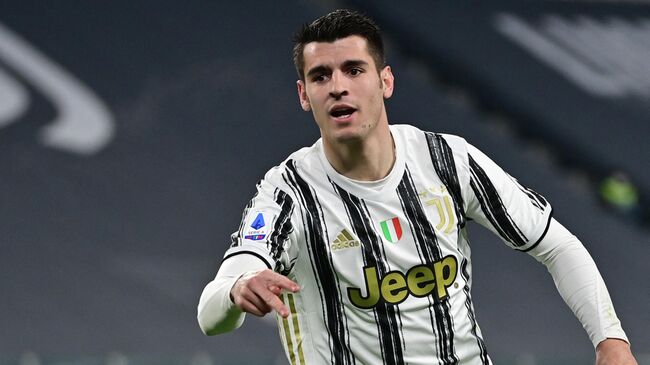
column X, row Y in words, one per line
column 109, row 252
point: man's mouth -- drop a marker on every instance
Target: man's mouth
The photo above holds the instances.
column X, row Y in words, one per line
column 342, row 112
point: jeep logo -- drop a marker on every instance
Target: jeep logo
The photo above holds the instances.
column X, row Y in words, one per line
column 395, row 287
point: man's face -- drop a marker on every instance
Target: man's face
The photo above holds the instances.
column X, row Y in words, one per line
column 343, row 88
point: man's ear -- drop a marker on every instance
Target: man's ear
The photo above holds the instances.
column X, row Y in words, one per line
column 302, row 96
column 387, row 82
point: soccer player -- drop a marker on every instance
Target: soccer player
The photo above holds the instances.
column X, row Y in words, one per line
column 359, row 241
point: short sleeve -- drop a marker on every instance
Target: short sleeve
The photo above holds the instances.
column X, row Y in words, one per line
column 518, row 214
column 267, row 229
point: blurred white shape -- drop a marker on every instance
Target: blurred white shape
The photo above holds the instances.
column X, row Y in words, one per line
column 29, row 358
column 525, row 359
column 202, row 358
column 116, row 358
column 14, row 99
column 84, row 124
column 605, row 58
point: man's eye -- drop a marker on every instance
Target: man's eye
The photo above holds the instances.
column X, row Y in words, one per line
column 319, row 78
column 355, row 71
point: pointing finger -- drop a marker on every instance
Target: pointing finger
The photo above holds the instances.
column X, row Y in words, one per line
column 251, row 308
column 275, row 289
column 274, row 302
column 283, row 282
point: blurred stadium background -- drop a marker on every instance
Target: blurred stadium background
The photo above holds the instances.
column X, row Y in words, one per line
column 133, row 133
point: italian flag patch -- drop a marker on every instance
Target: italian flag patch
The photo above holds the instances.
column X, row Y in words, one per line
column 392, row 229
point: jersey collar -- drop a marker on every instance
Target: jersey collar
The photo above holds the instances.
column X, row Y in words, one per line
column 380, row 191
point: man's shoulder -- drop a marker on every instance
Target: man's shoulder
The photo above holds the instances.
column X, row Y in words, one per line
column 412, row 133
column 306, row 156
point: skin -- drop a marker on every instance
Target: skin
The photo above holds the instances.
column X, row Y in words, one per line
column 344, row 73
column 359, row 147
column 259, row 292
column 613, row 351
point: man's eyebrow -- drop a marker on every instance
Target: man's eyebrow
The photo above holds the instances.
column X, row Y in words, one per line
column 353, row 63
column 347, row 64
column 318, row 70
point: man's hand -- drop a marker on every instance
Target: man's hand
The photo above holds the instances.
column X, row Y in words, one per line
column 258, row 292
column 613, row 351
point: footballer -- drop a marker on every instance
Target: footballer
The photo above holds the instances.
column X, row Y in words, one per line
column 359, row 243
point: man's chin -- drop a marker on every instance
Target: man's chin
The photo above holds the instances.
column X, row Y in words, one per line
column 347, row 137
column 346, row 134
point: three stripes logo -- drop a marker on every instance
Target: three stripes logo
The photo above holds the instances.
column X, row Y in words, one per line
column 290, row 328
column 344, row 240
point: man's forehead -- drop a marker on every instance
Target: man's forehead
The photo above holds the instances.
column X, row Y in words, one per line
column 349, row 47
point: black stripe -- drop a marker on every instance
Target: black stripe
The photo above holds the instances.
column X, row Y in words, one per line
column 470, row 313
column 316, row 237
column 535, row 198
column 385, row 314
column 364, row 253
column 532, row 198
column 290, row 181
column 538, row 196
column 248, row 253
column 398, row 313
column 486, row 211
column 443, row 162
column 548, row 224
column 282, row 227
column 493, row 207
column 429, row 251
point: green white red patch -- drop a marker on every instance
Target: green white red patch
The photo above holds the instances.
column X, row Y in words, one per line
column 392, row 229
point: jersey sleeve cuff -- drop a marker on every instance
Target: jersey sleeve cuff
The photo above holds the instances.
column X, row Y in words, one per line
column 252, row 251
column 541, row 237
column 612, row 333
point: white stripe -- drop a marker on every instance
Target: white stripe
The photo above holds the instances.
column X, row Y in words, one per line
column 391, row 229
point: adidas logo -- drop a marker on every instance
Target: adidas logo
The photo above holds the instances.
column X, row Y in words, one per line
column 344, row 240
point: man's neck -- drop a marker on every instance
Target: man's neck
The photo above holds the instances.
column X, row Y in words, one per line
column 369, row 159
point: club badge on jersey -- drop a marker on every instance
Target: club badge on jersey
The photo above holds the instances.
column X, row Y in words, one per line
column 258, row 226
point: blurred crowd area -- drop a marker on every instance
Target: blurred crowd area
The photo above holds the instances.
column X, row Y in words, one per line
column 132, row 135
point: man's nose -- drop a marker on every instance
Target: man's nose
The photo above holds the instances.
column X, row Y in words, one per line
column 338, row 86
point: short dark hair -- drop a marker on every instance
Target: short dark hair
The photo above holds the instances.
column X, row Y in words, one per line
column 338, row 24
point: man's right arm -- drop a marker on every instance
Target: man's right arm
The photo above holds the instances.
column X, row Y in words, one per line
column 249, row 278
column 217, row 313
column 243, row 284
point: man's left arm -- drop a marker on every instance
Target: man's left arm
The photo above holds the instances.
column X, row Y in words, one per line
column 614, row 351
column 522, row 218
column 581, row 286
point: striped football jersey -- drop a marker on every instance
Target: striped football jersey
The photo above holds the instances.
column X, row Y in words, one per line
column 384, row 268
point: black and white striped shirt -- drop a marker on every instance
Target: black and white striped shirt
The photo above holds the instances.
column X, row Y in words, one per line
column 384, row 268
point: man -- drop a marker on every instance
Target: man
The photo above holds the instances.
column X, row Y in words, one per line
column 358, row 242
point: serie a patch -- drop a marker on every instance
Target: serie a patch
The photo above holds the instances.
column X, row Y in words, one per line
column 258, row 226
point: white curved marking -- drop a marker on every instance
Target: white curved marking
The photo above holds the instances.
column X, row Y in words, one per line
column 557, row 57
column 604, row 57
column 84, row 124
column 14, row 100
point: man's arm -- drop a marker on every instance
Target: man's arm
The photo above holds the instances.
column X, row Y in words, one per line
column 243, row 285
column 258, row 292
column 248, row 279
column 216, row 311
column 522, row 218
column 614, row 351
column 581, row 286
